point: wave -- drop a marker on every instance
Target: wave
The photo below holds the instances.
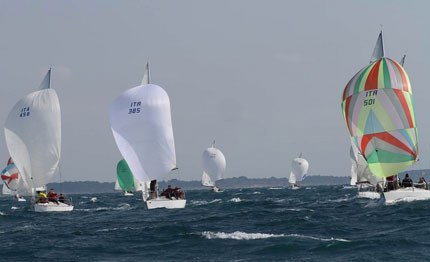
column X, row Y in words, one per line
column 93, row 199
column 235, row 200
column 203, row 202
column 238, row 235
column 275, row 188
column 349, row 187
column 14, row 208
column 122, row 206
column 257, row 193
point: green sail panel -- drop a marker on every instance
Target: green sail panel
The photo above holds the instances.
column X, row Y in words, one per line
column 125, row 176
column 378, row 109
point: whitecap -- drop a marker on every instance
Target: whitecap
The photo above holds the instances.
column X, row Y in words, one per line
column 93, row 199
column 14, row 208
column 237, row 235
column 319, row 239
column 84, row 197
column 2, row 214
column 275, row 188
column 107, row 229
column 257, row 193
column 235, row 199
column 349, row 187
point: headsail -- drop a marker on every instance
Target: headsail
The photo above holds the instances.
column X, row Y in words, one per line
column 33, row 136
column 353, row 180
column 206, row 180
column 214, row 163
column 363, row 174
column 378, row 108
column 378, row 51
column 299, row 168
column 142, row 127
column 124, row 175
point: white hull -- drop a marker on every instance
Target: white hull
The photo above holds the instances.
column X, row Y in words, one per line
column 369, row 195
column 21, row 199
column 165, row 203
column 406, row 194
column 52, row 207
column 293, row 187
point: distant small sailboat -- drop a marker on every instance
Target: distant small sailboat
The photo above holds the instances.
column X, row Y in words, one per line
column 214, row 165
column 142, row 127
column 299, row 170
column 33, row 138
column 11, row 179
column 125, row 178
column 377, row 105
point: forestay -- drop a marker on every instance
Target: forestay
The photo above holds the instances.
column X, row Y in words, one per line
column 33, row 136
column 378, row 108
column 142, row 127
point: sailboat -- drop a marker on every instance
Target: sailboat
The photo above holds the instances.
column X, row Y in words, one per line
column 366, row 182
column 142, row 127
column 33, row 138
column 378, row 109
column 213, row 167
column 299, row 170
column 125, row 177
column 11, row 180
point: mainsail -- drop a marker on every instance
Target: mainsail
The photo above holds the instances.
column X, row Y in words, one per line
column 377, row 105
column 142, row 127
column 124, row 175
column 363, row 174
column 214, row 163
column 33, row 135
column 299, row 169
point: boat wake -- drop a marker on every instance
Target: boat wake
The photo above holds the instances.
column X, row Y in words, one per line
column 238, row 235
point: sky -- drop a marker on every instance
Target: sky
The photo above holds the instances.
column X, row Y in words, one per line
column 262, row 78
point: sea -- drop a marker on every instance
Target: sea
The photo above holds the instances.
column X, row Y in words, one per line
column 322, row 223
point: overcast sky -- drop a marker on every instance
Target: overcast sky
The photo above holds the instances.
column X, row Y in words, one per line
column 263, row 78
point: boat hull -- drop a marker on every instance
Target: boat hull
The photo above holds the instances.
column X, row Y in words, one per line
column 165, row 203
column 369, row 195
column 406, row 194
column 52, row 207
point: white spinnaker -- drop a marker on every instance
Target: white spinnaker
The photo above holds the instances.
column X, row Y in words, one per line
column 142, row 127
column 299, row 168
column 378, row 51
column 206, row 180
column 353, row 167
column 363, row 171
column 138, row 185
column 33, row 136
column 214, row 163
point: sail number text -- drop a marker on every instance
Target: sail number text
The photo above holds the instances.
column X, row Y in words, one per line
column 134, row 108
column 24, row 112
column 369, row 97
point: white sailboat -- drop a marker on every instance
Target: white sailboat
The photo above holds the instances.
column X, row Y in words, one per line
column 117, row 187
column 142, row 127
column 214, row 165
column 299, row 170
column 367, row 182
column 33, row 138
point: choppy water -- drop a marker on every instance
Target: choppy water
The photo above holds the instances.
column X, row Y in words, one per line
column 309, row 224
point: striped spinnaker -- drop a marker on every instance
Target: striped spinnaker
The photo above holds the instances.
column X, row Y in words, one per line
column 378, row 108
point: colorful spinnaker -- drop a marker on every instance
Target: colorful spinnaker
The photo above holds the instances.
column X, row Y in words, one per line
column 10, row 175
column 125, row 177
column 378, row 108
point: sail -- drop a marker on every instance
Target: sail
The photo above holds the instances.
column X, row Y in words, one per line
column 378, row 109
column 206, row 180
column 214, row 163
column 146, row 80
column 125, row 177
column 33, row 136
column 6, row 190
column 363, row 173
column 299, row 169
column 142, row 127
column 138, row 185
column 378, row 51
column 117, row 187
column 353, row 180
column 10, row 175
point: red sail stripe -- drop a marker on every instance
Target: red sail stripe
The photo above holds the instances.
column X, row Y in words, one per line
column 402, row 100
column 9, row 178
column 348, row 101
column 9, row 161
column 387, row 137
column 402, row 74
column 372, row 78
